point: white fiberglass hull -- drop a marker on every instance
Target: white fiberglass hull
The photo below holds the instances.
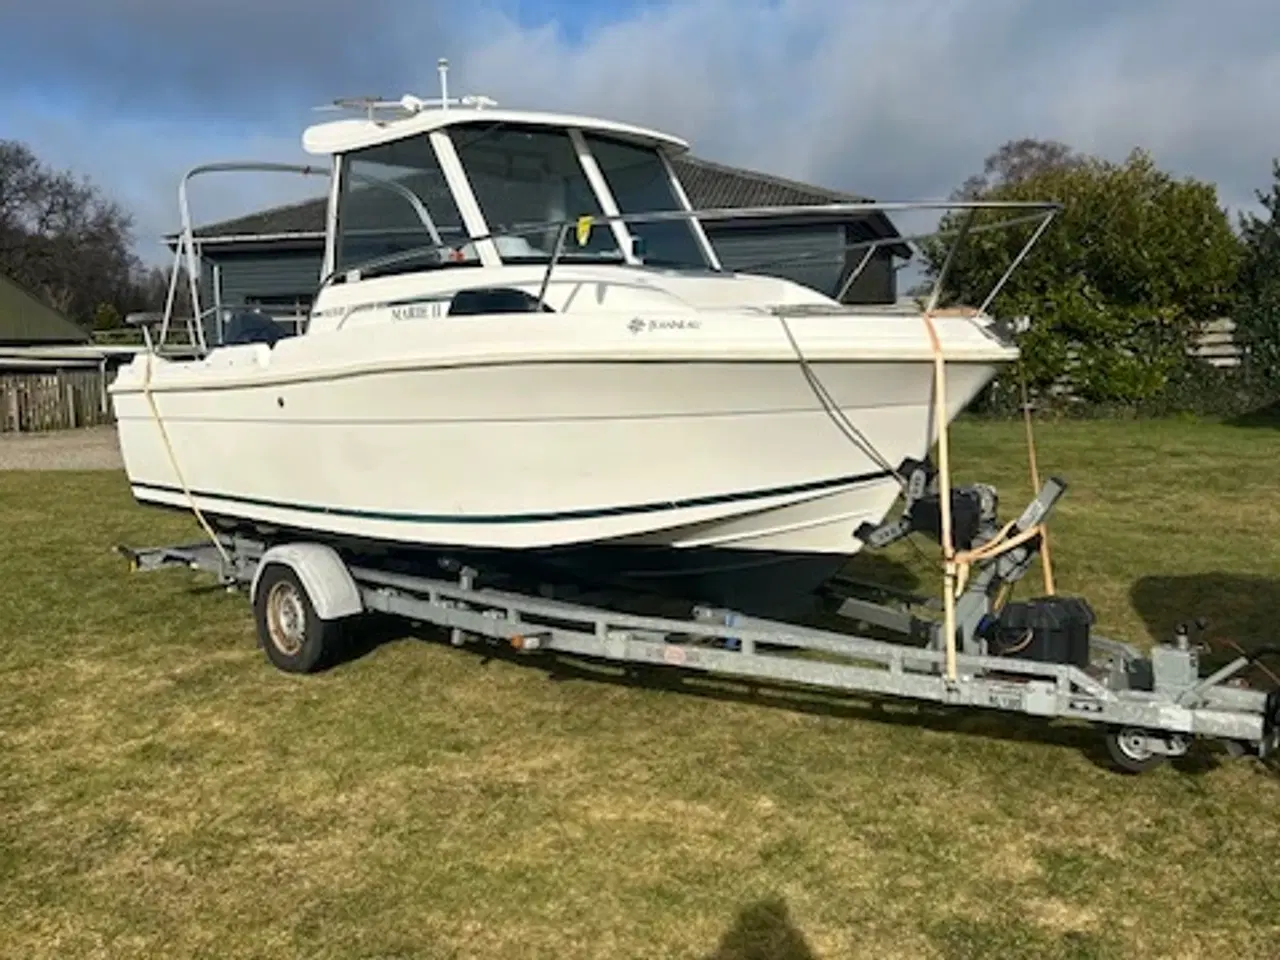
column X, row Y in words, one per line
column 648, row 452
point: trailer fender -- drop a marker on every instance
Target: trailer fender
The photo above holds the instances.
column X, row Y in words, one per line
column 328, row 582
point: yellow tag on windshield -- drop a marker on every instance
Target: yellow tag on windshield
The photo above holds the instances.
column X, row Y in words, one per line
column 584, row 230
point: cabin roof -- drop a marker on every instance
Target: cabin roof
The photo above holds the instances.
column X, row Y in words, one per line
column 352, row 133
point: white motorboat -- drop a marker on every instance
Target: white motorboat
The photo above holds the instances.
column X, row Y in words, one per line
column 582, row 385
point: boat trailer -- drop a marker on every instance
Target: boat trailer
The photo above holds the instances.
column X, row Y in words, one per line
column 1037, row 657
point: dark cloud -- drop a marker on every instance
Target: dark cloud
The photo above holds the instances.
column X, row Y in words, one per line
column 899, row 99
column 227, row 59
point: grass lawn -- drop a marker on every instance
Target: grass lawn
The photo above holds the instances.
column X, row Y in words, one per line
column 165, row 793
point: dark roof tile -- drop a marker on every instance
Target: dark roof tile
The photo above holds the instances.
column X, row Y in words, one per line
column 711, row 185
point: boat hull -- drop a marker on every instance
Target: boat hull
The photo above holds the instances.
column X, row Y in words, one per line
column 724, row 482
column 547, row 454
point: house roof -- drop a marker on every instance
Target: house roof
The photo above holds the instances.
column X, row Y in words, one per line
column 25, row 319
column 709, row 185
column 712, row 185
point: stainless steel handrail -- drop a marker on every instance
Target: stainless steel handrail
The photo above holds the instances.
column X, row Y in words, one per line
column 1040, row 212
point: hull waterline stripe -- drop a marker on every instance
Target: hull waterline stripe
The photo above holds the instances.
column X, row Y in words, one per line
column 590, row 513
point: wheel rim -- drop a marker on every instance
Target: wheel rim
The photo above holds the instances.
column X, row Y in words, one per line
column 286, row 618
column 1133, row 744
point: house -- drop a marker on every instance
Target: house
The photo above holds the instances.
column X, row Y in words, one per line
column 27, row 321
column 271, row 259
column 51, row 374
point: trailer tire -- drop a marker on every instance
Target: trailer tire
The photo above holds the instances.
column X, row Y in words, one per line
column 1125, row 745
column 293, row 636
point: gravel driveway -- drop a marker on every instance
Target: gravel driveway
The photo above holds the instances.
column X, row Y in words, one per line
column 93, row 448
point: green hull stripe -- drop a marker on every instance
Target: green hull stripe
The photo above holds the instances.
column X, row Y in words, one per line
column 589, row 513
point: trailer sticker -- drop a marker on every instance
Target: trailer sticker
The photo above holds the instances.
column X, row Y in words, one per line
column 673, row 655
column 1005, row 701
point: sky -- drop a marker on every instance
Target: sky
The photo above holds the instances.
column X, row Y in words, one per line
column 893, row 99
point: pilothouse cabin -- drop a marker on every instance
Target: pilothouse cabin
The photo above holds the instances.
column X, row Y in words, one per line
column 463, row 195
column 472, row 186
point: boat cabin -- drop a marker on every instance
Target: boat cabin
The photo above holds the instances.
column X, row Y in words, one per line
column 457, row 186
column 432, row 187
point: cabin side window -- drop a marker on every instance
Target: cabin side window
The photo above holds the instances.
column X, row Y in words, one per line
column 639, row 182
column 393, row 200
column 525, row 177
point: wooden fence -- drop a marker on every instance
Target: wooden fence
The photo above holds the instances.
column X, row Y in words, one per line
column 53, row 399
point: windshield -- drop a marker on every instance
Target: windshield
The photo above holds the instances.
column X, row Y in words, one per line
column 396, row 212
column 640, row 183
column 393, row 198
column 526, row 176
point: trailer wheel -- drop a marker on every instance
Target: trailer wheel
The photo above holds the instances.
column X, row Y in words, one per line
column 294, row 637
column 1130, row 749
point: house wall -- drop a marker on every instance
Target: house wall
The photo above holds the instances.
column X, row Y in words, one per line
column 779, row 253
column 878, row 281
column 247, row 276
column 281, row 282
column 813, row 255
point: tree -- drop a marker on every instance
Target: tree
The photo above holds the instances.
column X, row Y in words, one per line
column 1017, row 161
column 62, row 238
column 107, row 317
column 1257, row 313
column 1134, row 264
column 150, row 291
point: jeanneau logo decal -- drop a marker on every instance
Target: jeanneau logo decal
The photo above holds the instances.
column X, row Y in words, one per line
column 639, row 325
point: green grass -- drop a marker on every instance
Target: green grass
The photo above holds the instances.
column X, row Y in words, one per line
column 165, row 793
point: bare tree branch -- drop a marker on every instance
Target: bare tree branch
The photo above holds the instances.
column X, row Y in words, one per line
column 62, row 238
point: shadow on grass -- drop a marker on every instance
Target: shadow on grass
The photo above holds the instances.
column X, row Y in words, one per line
column 1268, row 416
column 1239, row 614
column 901, row 713
column 365, row 636
column 378, row 630
column 763, row 931
column 1242, row 603
column 1238, row 608
column 884, row 571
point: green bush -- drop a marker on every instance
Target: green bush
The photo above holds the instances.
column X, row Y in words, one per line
column 1117, row 287
column 1257, row 310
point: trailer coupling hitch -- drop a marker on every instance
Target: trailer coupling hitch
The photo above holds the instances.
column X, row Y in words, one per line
column 1182, row 635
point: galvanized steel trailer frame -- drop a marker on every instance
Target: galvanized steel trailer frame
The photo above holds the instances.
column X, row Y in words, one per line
column 1150, row 707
